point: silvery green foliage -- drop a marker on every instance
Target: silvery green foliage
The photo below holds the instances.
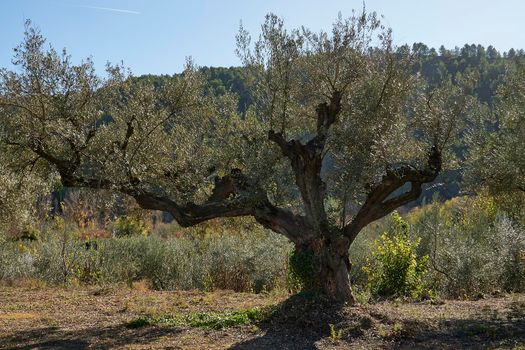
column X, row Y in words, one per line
column 389, row 115
column 17, row 198
column 255, row 263
column 110, row 129
column 14, row 262
column 468, row 260
column 120, row 132
column 496, row 159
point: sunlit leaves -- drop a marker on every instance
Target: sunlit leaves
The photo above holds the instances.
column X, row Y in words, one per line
column 497, row 150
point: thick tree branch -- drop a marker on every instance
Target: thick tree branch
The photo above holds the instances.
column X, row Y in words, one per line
column 292, row 226
column 233, row 196
column 306, row 160
column 378, row 204
column 326, row 116
column 129, row 132
column 295, row 227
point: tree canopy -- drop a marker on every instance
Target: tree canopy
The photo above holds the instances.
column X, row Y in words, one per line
column 496, row 158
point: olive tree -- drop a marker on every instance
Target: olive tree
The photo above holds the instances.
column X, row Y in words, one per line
column 496, row 157
column 19, row 188
column 338, row 117
column 16, row 199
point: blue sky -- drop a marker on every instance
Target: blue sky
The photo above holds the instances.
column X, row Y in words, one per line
column 155, row 36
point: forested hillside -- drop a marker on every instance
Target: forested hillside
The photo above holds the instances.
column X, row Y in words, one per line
column 486, row 67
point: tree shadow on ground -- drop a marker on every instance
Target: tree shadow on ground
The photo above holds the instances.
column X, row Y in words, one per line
column 100, row 338
column 297, row 323
column 300, row 323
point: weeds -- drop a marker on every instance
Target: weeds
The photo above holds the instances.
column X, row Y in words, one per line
column 210, row 320
column 335, row 334
column 473, row 248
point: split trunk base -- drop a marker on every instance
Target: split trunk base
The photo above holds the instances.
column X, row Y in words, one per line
column 329, row 269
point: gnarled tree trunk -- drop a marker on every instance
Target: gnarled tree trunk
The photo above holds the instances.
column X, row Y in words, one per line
column 330, row 267
column 333, row 271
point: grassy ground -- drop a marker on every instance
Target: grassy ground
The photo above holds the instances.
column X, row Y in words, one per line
column 37, row 317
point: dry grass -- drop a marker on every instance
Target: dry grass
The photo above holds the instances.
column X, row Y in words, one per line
column 34, row 316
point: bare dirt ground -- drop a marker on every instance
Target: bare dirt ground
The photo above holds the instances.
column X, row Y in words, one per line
column 36, row 317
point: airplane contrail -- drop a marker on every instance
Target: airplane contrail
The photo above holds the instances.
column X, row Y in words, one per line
column 110, row 9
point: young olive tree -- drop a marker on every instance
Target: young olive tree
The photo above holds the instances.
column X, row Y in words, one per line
column 338, row 117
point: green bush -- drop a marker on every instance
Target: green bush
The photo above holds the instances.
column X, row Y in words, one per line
column 128, row 226
column 29, row 233
column 466, row 247
column 394, row 269
column 16, row 260
column 247, row 264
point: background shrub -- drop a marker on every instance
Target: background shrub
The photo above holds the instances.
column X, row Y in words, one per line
column 253, row 263
column 128, row 226
column 475, row 246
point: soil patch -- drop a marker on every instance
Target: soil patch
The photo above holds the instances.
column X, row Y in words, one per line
column 99, row 317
